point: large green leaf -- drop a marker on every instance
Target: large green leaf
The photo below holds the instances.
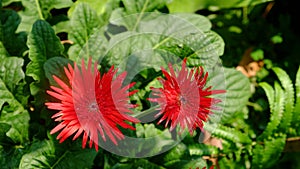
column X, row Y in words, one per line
column 237, row 88
column 134, row 51
column 134, row 12
column 86, row 33
column 193, row 6
column 175, row 25
column 38, row 9
column 207, row 47
column 138, row 51
column 13, row 112
column 43, row 44
column 11, row 74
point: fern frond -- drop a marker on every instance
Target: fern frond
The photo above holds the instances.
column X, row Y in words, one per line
column 296, row 115
column 268, row 153
column 202, row 150
column 270, row 94
column 228, row 133
column 276, row 112
column 290, row 98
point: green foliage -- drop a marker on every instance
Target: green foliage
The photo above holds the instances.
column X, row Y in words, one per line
column 237, row 94
column 49, row 154
column 296, row 118
column 253, row 126
column 83, row 22
column 229, row 134
column 281, row 103
column 35, row 10
column 193, row 6
column 267, row 154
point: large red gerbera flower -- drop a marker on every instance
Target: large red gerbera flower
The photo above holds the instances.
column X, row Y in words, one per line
column 184, row 100
column 91, row 104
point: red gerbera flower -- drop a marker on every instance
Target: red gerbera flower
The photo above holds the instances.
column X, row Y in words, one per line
column 184, row 100
column 91, row 104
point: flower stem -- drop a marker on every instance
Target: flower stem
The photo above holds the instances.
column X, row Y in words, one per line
column 146, row 112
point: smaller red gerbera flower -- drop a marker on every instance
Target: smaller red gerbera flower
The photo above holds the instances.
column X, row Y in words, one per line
column 91, row 105
column 184, row 100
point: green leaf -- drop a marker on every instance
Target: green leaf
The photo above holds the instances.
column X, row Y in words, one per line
column 277, row 39
column 98, row 6
column 155, row 142
column 134, row 52
column 289, row 95
column 257, row 55
column 43, row 44
column 207, row 47
column 134, row 12
column 276, row 111
column 19, row 122
column 51, row 154
column 141, row 6
column 237, row 88
column 9, row 21
column 7, row 2
column 86, row 33
column 37, row 152
column 11, row 72
column 9, row 24
column 228, row 133
column 265, row 155
column 14, row 114
column 10, row 75
column 193, row 6
column 38, row 9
